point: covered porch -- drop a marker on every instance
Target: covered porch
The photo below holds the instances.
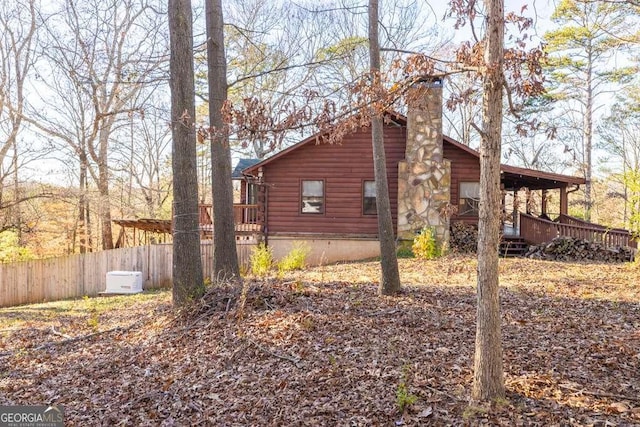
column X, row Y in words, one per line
column 538, row 194
column 536, row 210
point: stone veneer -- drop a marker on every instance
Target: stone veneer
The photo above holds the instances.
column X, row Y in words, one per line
column 424, row 177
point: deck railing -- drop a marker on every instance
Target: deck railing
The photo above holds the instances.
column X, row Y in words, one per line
column 566, row 219
column 538, row 230
column 246, row 217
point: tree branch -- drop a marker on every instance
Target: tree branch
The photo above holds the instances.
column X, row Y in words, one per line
column 512, row 107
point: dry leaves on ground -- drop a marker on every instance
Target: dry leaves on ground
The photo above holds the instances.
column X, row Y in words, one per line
column 321, row 348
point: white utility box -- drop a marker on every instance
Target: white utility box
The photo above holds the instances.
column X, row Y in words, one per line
column 124, row 282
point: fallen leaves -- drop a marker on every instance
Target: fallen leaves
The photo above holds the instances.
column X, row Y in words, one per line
column 331, row 352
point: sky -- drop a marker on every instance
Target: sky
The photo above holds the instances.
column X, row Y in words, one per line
column 539, row 10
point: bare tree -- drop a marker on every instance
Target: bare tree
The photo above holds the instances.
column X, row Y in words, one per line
column 284, row 71
column 98, row 57
column 17, row 39
column 620, row 133
column 187, row 265
column 142, row 165
column 460, row 120
column 225, row 258
column 390, row 277
column 488, row 379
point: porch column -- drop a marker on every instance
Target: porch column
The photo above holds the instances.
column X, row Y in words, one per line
column 503, row 217
column 564, row 201
column 515, row 208
column 543, row 206
column 261, row 213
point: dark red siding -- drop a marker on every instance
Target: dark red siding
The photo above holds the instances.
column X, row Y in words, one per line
column 343, row 168
column 465, row 167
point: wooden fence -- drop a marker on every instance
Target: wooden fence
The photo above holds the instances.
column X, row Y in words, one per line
column 85, row 274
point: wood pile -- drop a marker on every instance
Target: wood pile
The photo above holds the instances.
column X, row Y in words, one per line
column 463, row 238
column 573, row 249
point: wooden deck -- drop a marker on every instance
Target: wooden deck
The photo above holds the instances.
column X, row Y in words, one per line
column 537, row 230
column 248, row 220
column 249, row 224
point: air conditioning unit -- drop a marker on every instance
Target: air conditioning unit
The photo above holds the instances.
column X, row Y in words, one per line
column 124, row 282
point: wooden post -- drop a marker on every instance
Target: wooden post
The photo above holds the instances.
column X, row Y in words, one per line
column 504, row 203
column 543, row 206
column 564, row 201
column 515, row 208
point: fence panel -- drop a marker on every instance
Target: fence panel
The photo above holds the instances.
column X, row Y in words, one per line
column 85, row 274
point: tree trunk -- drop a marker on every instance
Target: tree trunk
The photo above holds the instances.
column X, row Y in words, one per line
column 488, row 381
column 16, row 51
column 17, row 210
column 82, row 229
column 187, row 264
column 103, row 187
column 225, row 259
column 588, row 138
column 390, row 278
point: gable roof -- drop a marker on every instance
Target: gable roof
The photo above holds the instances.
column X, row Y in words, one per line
column 513, row 177
column 315, row 138
column 241, row 166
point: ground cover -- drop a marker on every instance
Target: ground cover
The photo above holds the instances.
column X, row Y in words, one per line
column 319, row 347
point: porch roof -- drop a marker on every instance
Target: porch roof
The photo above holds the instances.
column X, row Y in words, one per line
column 146, row 224
column 514, row 178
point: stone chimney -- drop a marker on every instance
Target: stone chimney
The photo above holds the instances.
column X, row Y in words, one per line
column 424, row 177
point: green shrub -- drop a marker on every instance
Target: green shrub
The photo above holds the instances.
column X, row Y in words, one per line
column 296, row 259
column 425, row 245
column 261, row 260
column 404, row 398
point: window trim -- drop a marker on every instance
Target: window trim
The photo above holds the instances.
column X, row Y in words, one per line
column 364, row 181
column 324, row 197
column 472, row 213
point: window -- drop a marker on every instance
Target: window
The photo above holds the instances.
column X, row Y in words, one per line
column 469, row 200
column 312, row 197
column 369, row 198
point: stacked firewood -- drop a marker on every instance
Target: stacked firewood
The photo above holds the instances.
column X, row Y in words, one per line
column 573, row 249
column 463, row 238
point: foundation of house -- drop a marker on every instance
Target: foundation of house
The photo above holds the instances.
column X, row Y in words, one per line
column 326, row 249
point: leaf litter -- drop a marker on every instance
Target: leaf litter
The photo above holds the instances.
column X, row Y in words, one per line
column 320, row 347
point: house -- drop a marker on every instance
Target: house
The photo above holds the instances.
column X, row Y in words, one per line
column 324, row 194
column 246, row 197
